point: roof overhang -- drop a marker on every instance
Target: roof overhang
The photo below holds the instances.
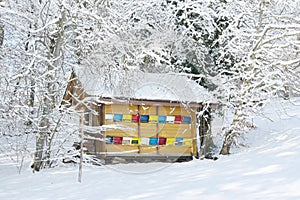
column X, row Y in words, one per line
column 132, row 101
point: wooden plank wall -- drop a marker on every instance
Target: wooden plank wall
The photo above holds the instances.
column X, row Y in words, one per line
column 148, row 130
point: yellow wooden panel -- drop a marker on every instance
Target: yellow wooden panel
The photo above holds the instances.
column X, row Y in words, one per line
column 148, row 130
column 194, row 133
column 170, row 141
column 148, row 110
column 148, row 150
column 125, row 129
column 175, row 130
column 149, row 134
column 128, row 126
column 153, row 119
column 175, row 110
column 119, row 133
column 162, row 111
column 195, row 150
column 126, row 118
column 136, row 141
column 121, row 109
column 187, row 141
column 126, row 149
column 175, row 150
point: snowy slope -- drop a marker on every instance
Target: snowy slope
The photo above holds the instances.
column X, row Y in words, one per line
column 268, row 169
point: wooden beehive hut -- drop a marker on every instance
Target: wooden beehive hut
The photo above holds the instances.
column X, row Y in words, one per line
column 138, row 116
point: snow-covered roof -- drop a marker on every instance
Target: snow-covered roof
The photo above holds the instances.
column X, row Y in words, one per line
column 140, row 85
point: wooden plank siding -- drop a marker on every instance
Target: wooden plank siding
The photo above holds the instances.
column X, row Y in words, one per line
column 150, row 130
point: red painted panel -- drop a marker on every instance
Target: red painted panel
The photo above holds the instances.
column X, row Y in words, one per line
column 178, row 119
column 135, row 118
column 162, row 141
column 118, row 140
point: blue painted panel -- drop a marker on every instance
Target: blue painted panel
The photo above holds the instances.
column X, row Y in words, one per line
column 118, row 117
column 186, row 120
column 144, row 119
column 153, row 141
column 109, row 140
column 162, row 119
column 179, row 142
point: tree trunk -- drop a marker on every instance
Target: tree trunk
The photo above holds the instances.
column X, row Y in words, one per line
column 39, row 158
column 42, row 156
column 1, row 34
column 45, row 135
column 206, row 141
column 32, row 85
column 227, row 143
column 234, row 131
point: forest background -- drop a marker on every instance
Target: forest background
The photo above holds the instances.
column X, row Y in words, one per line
column 244, row 52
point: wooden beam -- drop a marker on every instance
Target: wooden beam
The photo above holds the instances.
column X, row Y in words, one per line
column 107, row 100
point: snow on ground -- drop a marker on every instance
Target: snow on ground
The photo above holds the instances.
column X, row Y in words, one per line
column 267, row 169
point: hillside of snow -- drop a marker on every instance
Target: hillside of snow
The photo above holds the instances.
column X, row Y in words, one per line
column 268, row 168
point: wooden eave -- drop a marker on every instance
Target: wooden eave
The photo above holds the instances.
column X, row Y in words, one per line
column 73, row 88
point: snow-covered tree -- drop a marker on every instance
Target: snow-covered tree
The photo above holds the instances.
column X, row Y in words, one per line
column 265, row 40
column 32, row 66
column 40, row 47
